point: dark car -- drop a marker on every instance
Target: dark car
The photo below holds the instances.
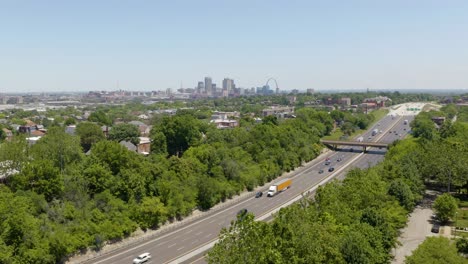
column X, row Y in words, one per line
column 258, row 194
column 327, row 163
column 242, row 212
column 331, row 169
column 351, row 150
column 320, row 171
column 435, row 228
column 339, row 159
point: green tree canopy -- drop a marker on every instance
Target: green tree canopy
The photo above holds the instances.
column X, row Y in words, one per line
column 435, row 250
column 89, row 133
column 445, row 207
column 127, row 132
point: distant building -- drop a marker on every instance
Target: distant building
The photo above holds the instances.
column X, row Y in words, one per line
column 225, row 123
column 208, row 85
column 278, row 111
column 379, row 101
column 200, row 87
column 224, row 120
column 144, row 147
column 70, row 130
column 310, row 91
column 228, row 85
column 345, row 101
column 129, row 145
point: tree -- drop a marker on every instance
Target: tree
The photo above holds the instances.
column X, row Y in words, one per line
column 402, row 193
column 271, row 119
column 246, row 241
column 126, row 132
column 445, row 206
column 181, row 132
column 436, row 250
column 70, row 121
column 151, row 212
column 89, row 133
column 41, row 177
column 59, row 147
column 100, row 117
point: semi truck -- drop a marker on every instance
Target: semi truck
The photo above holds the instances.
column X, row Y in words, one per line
column 375, row 132
column 279, row 187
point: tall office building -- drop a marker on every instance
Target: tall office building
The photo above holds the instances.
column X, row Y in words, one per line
column 208, row 85
column 200, row 87
column 213, row 89
column 228, row 84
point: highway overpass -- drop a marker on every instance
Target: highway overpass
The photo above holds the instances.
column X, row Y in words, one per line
column 335, row 143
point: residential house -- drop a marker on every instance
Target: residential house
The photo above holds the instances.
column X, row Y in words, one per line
column 144, row 147
column 129, row 145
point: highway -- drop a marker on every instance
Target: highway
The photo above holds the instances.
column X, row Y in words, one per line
column 185, row 243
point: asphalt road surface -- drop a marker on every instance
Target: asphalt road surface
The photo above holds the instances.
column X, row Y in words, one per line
column 187, row 243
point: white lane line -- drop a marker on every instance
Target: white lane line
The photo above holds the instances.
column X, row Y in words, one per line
column 162, row 243
column 180, row 248
column 199, row 233
column 208, row 235
column 172, row 245
column 195, row 241
column 211, row 221
column 188, row 232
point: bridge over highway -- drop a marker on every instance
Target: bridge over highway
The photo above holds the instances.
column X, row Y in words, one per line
column 335, row 143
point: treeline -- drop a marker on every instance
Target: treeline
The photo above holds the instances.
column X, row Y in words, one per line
column 356, row 220
column 58, row 201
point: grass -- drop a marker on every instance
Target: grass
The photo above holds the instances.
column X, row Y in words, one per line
column 462, row 203
column 460, row 233
column 462, row 218
column 337, row 134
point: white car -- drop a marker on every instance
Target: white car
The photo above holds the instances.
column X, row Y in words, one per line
column 142, row 258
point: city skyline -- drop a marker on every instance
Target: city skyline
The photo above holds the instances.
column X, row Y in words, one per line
column 55, row 46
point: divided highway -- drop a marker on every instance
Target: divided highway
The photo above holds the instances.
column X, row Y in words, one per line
column 182, row 244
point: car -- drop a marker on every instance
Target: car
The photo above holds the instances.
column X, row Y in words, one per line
column 320, row 171
column 142, row 258
column 435, row 228
column 351, row 150
column 242, row 212
column 327, row 163
column 331, row 169
column 258, row 194
column 339, row 159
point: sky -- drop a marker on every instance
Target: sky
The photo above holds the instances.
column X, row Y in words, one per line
column 154, row 45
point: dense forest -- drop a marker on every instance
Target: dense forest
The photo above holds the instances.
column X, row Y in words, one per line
column 357, row 220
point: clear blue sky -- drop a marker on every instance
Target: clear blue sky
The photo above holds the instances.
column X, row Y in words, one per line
column 153, row 45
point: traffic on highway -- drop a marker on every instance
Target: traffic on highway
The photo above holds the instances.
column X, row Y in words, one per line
column 194, row 238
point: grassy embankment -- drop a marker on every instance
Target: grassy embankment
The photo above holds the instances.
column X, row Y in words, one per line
column 378, row 114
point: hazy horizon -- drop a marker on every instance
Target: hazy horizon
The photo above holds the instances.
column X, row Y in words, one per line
column 58, row 46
